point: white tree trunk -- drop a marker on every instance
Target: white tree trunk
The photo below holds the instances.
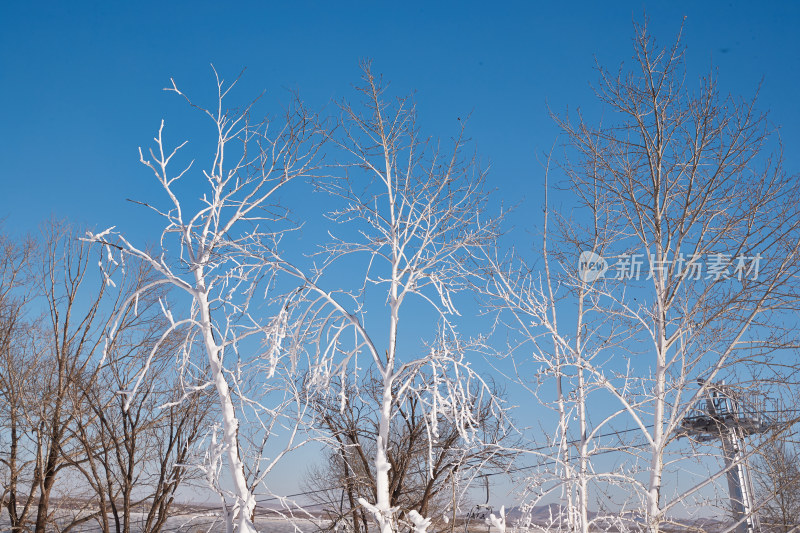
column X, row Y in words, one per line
column 382, row 467
column 245, row 501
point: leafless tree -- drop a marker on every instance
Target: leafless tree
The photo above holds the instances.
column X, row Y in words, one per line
column 58, row 408
column 423, row 476
column 218, row 257
column 19, row 365
column 137, row 455
column 76, row 304
column 408, row 213
column 47, row 366
column 776, row 475
column 689, row 233
column 560, row 345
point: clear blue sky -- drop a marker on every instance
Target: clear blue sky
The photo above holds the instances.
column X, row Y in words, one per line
column 80, row 82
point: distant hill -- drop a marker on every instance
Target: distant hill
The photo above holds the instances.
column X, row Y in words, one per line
column 549, row 515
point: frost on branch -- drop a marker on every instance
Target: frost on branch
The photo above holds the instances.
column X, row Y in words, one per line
column 420, row 524
column 218, row 256
column 408, row 212
column 384, row 518
column 496, row 522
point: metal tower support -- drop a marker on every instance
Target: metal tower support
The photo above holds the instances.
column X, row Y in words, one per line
column 740, row 487
column 723, row 415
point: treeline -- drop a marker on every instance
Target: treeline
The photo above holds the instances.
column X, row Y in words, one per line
column 74, row 447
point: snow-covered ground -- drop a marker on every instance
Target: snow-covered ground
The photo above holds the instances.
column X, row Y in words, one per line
column 198, row 523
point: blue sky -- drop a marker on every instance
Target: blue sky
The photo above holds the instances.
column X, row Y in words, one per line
column 81, row 81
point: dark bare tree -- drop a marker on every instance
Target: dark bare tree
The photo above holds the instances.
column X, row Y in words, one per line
column 19, row 363
column 425, row 474
column 62, row 411
column 137, row 451
column 776, row 479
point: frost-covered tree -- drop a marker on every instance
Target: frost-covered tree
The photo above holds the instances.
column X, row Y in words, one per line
column 676, row 267
column 409, row 214
column 554, row 324
column 217, row 253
